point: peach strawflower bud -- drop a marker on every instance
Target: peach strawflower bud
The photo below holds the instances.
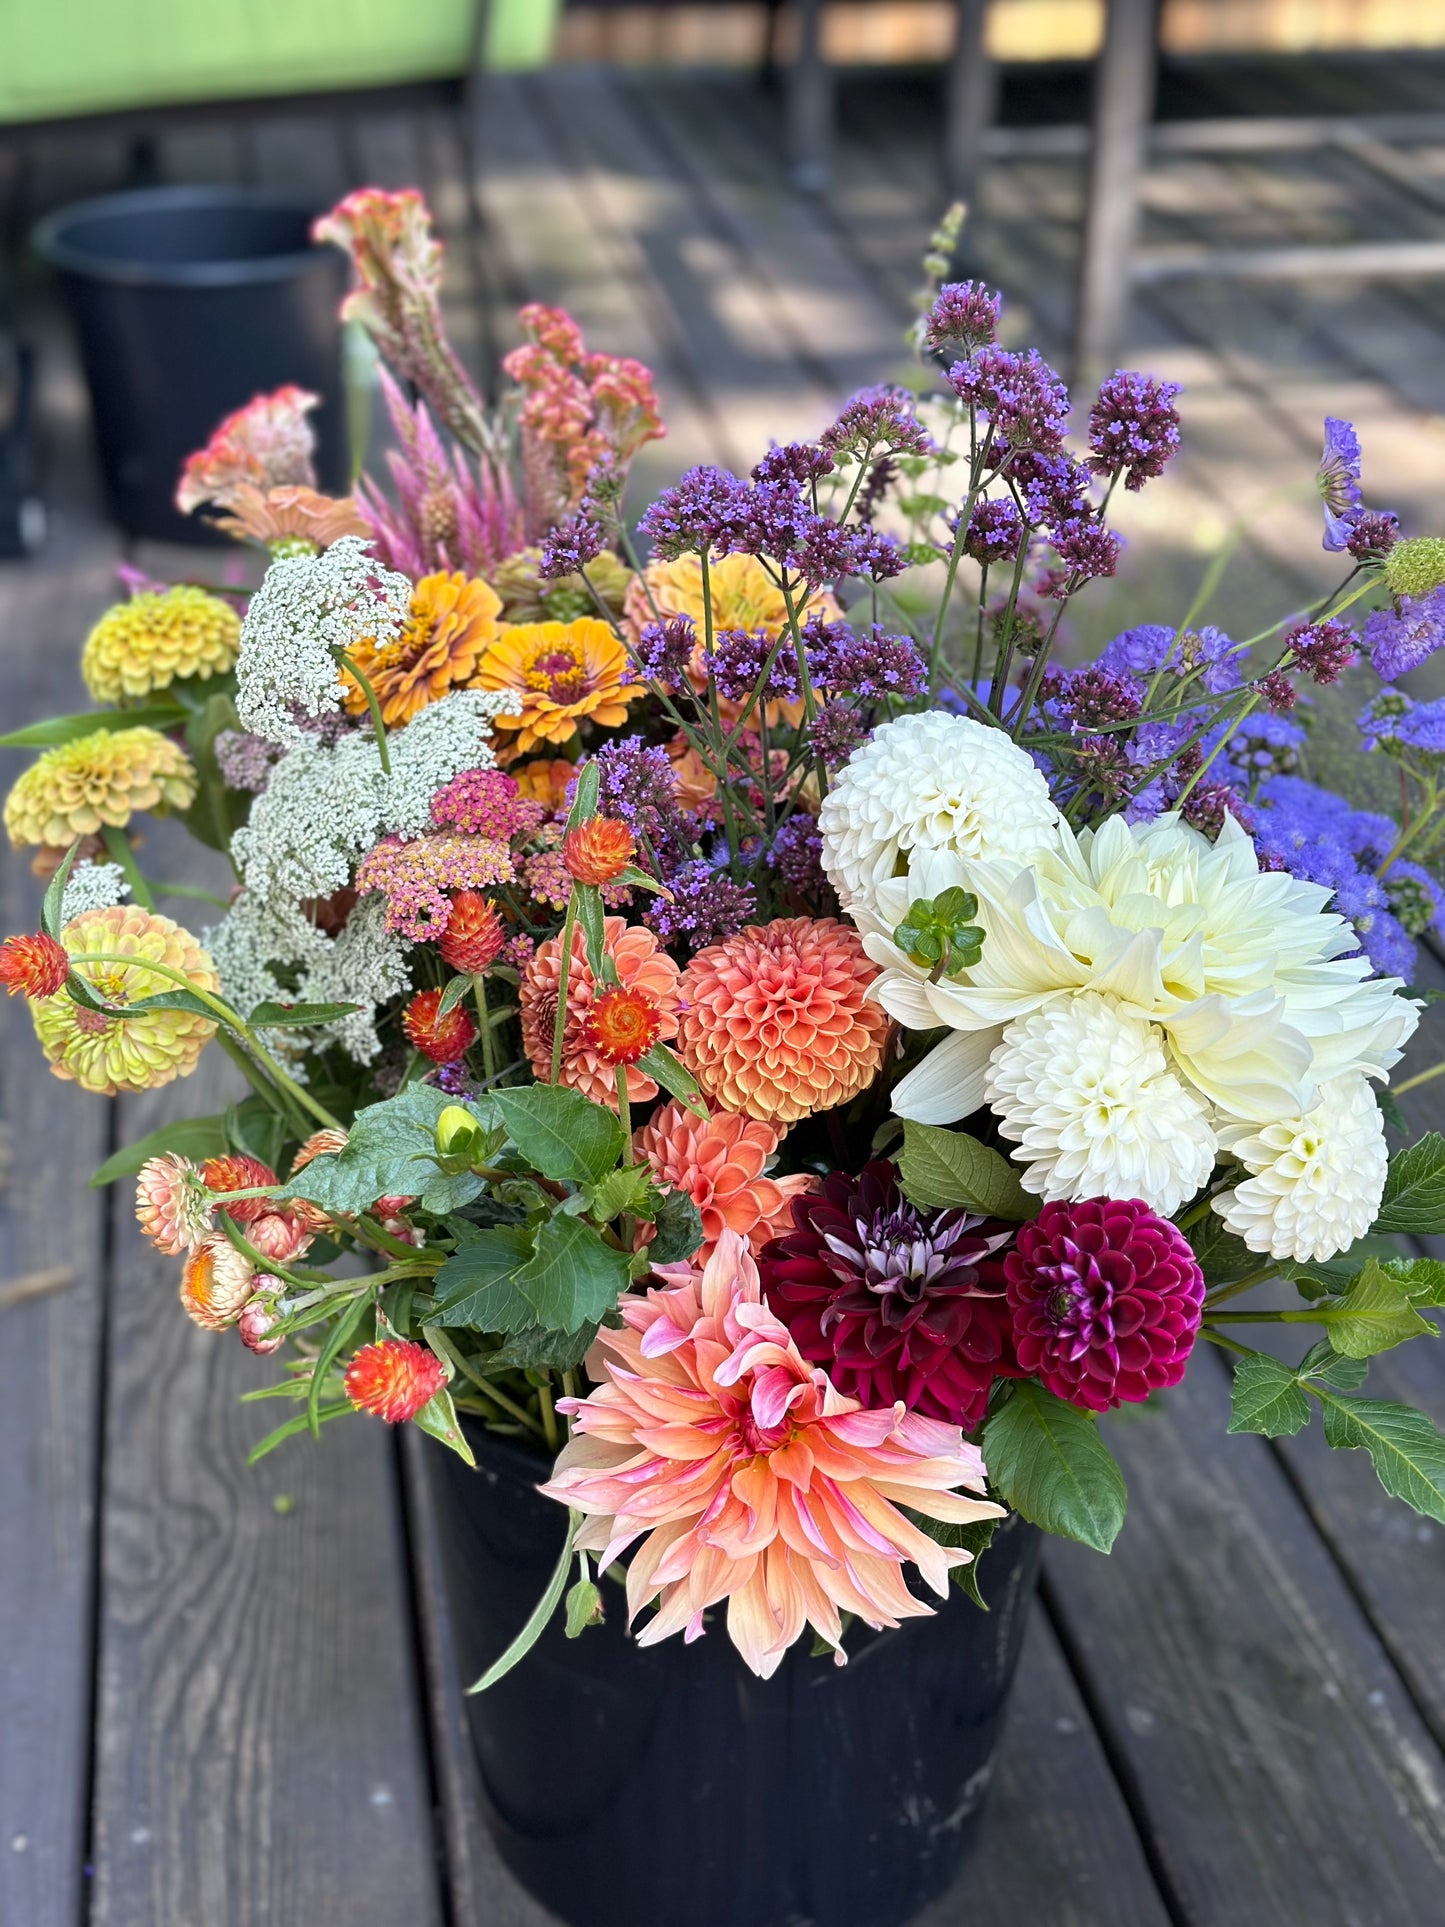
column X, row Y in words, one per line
column 473, row 938
column 260, row 1316
column 598, row 851
column 622, row 1024
column 281, row 1234
column 216, row 1281
column 235, row 1171
column 36, row 964
column 170, row 1204
column 442, row 1039
column 393, row 1379
column 320, row 1144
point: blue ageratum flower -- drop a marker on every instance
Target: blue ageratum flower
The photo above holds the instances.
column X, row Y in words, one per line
column 1338, row 480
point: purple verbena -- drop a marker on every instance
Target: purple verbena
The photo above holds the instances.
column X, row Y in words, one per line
column 964, row 315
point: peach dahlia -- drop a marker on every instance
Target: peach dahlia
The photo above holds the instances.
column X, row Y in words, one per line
column 641, row 966
column 721, row 1161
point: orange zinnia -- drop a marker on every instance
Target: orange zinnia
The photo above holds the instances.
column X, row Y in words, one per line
column 565, row 673
column 451, row 623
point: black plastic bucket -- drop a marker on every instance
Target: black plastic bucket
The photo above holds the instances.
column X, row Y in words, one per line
column 189, row 301
column 666, row 1786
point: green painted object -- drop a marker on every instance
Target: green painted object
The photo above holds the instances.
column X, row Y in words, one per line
column 96, row 56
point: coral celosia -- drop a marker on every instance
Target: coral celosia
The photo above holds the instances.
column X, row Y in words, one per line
column 563, row 674
column 776, row 1022
column 33, row 963
column 146, row 643
column 794, row 1506
column 109, row 1054
column 599, row 850
column 268, row 443
column 171, row 1205
column 640, row 965
column 216, row 1281
column 450, row 624
column 101, row 779
column 721, row 1162
column 393, row 1379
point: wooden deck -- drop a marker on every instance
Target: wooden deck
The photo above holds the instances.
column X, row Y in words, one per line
column 226, row 1698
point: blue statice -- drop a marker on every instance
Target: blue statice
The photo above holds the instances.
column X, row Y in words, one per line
column 1400, row 638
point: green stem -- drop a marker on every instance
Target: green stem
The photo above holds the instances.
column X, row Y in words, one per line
column 372, row 704
column 549, row 1417
column 1218, row 1297
column 489, row 1049
column 1227, row 1344
column 1420, row 1077
column 118, row 849
column 1269, row 1317
column 564, row 967
column 191, row 892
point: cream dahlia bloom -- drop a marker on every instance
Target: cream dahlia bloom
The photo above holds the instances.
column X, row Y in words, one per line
column 1315, row 1180
column 748, row 1476
column 1242, row 970
column 933, row 782
column 1085, row 1092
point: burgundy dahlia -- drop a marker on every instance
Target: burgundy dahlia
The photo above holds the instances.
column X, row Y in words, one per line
column 894, row 1302
column 1106, row 1301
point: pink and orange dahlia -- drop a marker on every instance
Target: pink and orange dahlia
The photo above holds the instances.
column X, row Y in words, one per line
column 720, row 1161
column 640, row 965
column 748, row 1476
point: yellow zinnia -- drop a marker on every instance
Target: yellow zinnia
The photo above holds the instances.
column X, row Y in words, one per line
column 565, row 673
column 109, row 1054
column 451, row 621
column 79, row 787
column 146, row 643
column 742, row 593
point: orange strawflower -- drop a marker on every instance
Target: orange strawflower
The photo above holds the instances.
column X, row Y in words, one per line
column 474, row 936
column 545, row 780
column 36, row 964
column 599, row 850
column 622, row 1025
column 442, row 1039
column 170, row 1204
column 393, row 1379
column 451, row 623
column 776, row 1022
column 216, row 1281
column 320, row 1144
column 564, row 673
column 282, row 1233
column 641, row 965
column 720, row 1161
column 236, row 1172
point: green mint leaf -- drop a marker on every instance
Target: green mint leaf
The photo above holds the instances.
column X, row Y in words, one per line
column 573, row 1278
column 477, row 1286
column 1407, row 1451
column 1374, row 1314
column 1414, row 1197
column 561, row 1133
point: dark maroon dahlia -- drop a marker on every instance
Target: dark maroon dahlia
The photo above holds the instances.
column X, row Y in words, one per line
column 1106, row 1301
column 894, row 1302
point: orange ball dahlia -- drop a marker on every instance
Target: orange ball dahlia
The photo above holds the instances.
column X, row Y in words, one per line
column 720, row 1161
column 776, row 1022
column 442, row 1039
column 564, row 673
column 599, row 850
column 170, row 1204
column 393, row 1379
column 36, row 964
column 474, row 935
column 216, row 1281
column 641, row 966
column 451, row 623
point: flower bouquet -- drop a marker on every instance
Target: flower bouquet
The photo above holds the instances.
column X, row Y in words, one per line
column 790, row 1044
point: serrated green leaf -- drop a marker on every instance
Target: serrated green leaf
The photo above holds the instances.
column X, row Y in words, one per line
column 390, row 1152
column 1047, row 1462
column 939, row 1168
column 1390, row 1108
column 1423, row 1278
column 271, row 1016
column 438, row 1418
column 535, row 1350
column 1374, row 1314
column 561, row 1133
column 573, row 1277
column 1220, row 1255
column 477, row 1286
column 975, row 1536
column 1414, row 1196
column 68, row 729
column 1324, row 1362
column 1407, row 1452
column 678, row 1229
column 629, row 1188
column 1265, row 1397
column 197, row 1138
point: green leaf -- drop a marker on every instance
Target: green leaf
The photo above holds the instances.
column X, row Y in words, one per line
column 975, row 1536
column 1423, row 1278
column 477, row 1286
column 1390, row 1108
column 338, row 1335
column 297, row 1016
column 1221, row 1256
column 1407, row 1451
column 390, row 1152
column 1047, row 1461
column 168, row 1000
column 591, row 922
column 55, row 894
column 188, row 1137
column 573, row 1278
column 67, row 729
column 668, row 1070
column 679, row 1229
column 1414, row 1197
column 541, row 1613
column 584, row 797
column 947, row 1168
column 1374, row 1314
column 1265, row 1397
column 252, row 1126
column 438, row 1417
column 535, row 1350
column 301, row 1423
column 629, row 1188
column 456, row 989
column 561, row 1133
column 1324, row 1362
column 584, row 1608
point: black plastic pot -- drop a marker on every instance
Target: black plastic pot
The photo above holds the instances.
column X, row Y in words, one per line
column 668, row 1787
column 189, row 301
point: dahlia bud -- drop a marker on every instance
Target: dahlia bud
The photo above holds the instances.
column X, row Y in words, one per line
column 458, row 1134
column 170, row 1204
column 473, row 938
column 237, row 1172
column 36, row 964
column 260, row 1315
column 216, row 1281
column 598, row 851
column 393, row 1379
column 442, row 1039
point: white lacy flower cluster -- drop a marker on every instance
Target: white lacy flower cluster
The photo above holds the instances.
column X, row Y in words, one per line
column 1145, row 1002
column 306, row 607
column 92, row 886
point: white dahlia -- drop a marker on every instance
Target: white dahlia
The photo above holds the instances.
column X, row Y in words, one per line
column 930, row 781
column 1316, row 1180
column 1085, row 1092
column 1242, row 970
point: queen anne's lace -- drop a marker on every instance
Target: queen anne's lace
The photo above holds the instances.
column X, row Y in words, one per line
column 92, row 886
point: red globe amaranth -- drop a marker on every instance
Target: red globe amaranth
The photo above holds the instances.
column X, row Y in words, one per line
column 599, row 850
column 393, row 1379
column 442, row 1039
column 894, row 1302
column 473, row 938
column 36, row 964
column 235, row 1171
column 1106, row 1301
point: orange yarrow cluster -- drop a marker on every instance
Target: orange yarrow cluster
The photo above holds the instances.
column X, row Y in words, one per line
column 35, row 964
column 393, row 1379
column 442, row 1039
column 598, row 851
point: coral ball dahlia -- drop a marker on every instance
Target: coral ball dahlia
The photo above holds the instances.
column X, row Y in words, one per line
column 720, row 1161
column 895, row 1303
column 1106, row 1301
column 776, row 1021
